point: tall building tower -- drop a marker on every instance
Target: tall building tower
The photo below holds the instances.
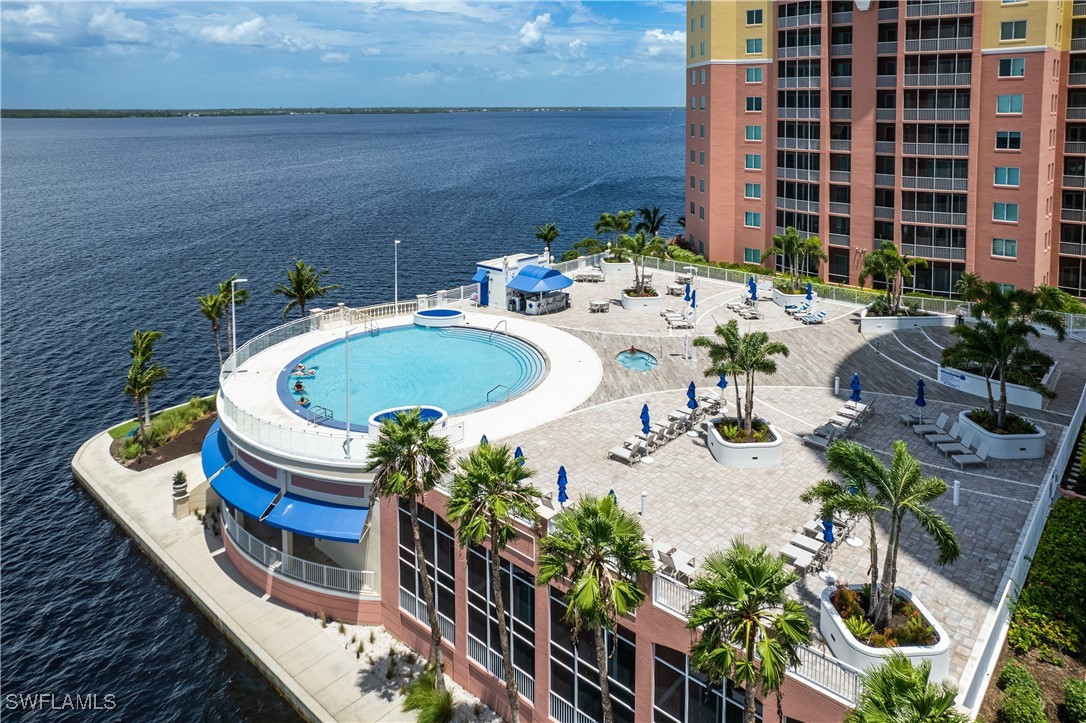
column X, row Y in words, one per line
column 938, row 125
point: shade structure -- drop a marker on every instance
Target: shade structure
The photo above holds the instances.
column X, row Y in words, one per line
column 691, row 396
column 537, row 280
column 645, row 426
column 240, row 488
column 686, row 293
column 518, row 457
column 215, row 452
column 694, row 299
column 855, row 396
column 562, row 496
column 315, row 518
column 480, row 275
column 920, row 402
column 827, row 530
column 810, row 291
column 722, row 382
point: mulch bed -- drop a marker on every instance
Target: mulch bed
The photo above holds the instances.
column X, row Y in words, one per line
column 1049, row 677
column 184, row 444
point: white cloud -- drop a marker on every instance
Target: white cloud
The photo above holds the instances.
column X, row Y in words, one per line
column 335, row 58
column 426, row 77
column 578, row 48
column 30, row 15
column 518, row 74
column 116, row 27
column 576, row 71
column 249, row 32
column 656, row 42
column 532, row 38
column 487, row 12
column 668, row 7
column 372, row 52
column 173, row 56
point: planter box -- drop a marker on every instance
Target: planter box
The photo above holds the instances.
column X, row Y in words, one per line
column 859, row 655
column 1006, row 446
column 614, row 271
column 746, row 455
column 642, row 303
column 893, row 323
column 977, row 385
column 782, row 299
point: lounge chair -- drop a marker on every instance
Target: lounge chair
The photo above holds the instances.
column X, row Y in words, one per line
column 679, row 323
column 806, row 542
column 629, row 455
column 799, row 557
column 816, row 319
column 816, row 440
column 981, row 456
column 651, row 441
column 801, row 310
column 911, row 418
column 944, row 438
column 938, row 428
column 964, row 446
column 751, row 314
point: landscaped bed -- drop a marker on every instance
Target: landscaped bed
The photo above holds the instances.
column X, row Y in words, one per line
column 181, row 431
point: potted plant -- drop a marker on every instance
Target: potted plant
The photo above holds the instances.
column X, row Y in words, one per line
column 615, row 224
column 795, row 252
column 639, row 246
column 895, row 268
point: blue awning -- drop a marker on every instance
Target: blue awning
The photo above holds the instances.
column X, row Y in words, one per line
column 480, row 276
column 215, row 452
column 314, row 518
column 536, row 280
column 235, row 484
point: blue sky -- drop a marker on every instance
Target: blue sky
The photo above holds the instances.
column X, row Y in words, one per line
column 273, row 54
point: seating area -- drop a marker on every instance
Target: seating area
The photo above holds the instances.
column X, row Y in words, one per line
column 591, row 274
column 672, row 561
column 813, row 318
column 678, row 319
column 809, row 548
column 680, row 421
column 848, row 417
column 599, row 306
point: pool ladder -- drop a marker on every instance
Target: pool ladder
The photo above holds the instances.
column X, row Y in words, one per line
column 499, row 386
column 495, row 329
column 317, row 414
column 371, row 327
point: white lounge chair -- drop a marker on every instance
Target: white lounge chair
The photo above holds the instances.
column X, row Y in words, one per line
column 801, row 310
column 964, row 446
column 944, row 438
column 815, row 319
column 981, row 456
column 806, row 542
column 629, row 455
column 938, row 428
column 911, row 418
column 799, row 557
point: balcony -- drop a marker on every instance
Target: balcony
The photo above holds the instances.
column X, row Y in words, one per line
column 885, row 81
column 812, row 81
column 930, row 10
column 840, row 50
column 885, row 146
column 1078, row 45
column 1078, row 10
column 1074, row 147
column 799, row 51
column 937, row 80
column 799, row 21
column 798, row 144
column 845, row 145
column 1072, row 249
column 802, row 234
column 886, row 114
column 1074, row 181
column 840, row 113
column 1076, row 113
column 838, row 239
column 840, row 81
column 940, row 218
column 949, row 253
column 1075, row 215
column 840, row 176
column 886, row 212
column 843, row 209
column 935, row 149
column 931, row 183
column 844, row 18
column 795, row 204
column 933, row 45
column 887, row 47
column 936, row 114
column 1076, row 79
column 884, row 179
column 797, row 174
column 887, row 14
column 799, row 113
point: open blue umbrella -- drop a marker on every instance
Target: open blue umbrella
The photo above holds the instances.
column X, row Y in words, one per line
column 920, row 398
column 691, row 395
column 518, row 457
column 855, row 396
column 645, row 427
column 810, row 292
column 484, row 441
column 827, row 531
column 562, row 496
column 694, row 299
column 686, row 294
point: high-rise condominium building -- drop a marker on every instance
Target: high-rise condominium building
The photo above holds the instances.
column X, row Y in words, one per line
column 955, row 129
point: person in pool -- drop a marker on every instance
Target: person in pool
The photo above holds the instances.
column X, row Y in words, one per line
column 299, row 367
column 298, row 386
column 303, row 401
column 633, row 350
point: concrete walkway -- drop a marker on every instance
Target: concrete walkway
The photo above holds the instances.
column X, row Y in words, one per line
column 312, row 669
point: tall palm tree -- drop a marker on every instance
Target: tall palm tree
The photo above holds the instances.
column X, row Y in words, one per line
column 889, row 263
column 899, row 691
column 755, row 356
column 651, row 221
column 614, row 224
column 601, row 549
column 640, row 246
column 788, row 247
column 489, row 488
column 240, row 296
column 547, row 234
column 746, row 627
column 213, row 307
column 410, row 461
column 724, row 355
column 809, row 249
column 871, row 489
column 143, row 373
column 303, row 285
column 970, row 286
column 999, row 302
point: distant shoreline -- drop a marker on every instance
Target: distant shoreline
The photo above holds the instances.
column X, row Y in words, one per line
column 232, row 112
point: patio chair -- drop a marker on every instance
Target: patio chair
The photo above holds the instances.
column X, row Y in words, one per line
column 679, row 561
column 651, row 441
column 679, row 323
column 801, row 559
column 943, row 438
column 910, row 418
column 629, row 455
column 793, row 310
column 981, row 456
column 751, row 314
column 806, row 542
column 816, row 319
column 938, row 428
column 964, row 446
column 816, row 440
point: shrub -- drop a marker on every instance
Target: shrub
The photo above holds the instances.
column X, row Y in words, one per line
column 1075, row 701
column 882, row 640
column 1056, row 585
column 1022, row 705
column 847, row 602
column 1031, row 628
column 860, row 628
column 915, row 631
column 1015, row 675
column 423, row 696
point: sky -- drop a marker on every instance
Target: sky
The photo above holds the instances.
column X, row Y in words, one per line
column 357, row 54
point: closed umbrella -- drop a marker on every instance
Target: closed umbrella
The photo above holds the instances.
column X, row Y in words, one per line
column 694, row 299
column 518, row 457
column 810, row 291
column 855, row 396
column 723, row 384
column 920, row 398
column 484, row 441
column 827, row 530
column 645, row 426
column 562, row 496
column 686, row 294
column 753, row 292
column 691, row 395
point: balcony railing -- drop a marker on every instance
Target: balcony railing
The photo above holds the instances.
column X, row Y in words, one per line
column 1078, row 45
column 840, row 113
column 1076, row 113
column 795, row 204
column 1076, row 147
column 885, row 146
column 843, row 209
column 842, row 145
column 935, row 114
column 799, row 51
column 802, row 235
column 1074, row 181
column 885, row 81
column 936, row 44
column 886, row 47
column 840, row 81
column 932, row 183
column 1078, row 10
column 927, row 10
column 798, row 144
column 1073, row 214
column 493, row 662
column 1076, row 79
column 948, row 253
column 884, row 179
column 840, row 50
column 886, row 114
column 838, row 239
column 887, row 14
column 812, row 81
column 1072, row 249
column 797, row 174
column 935, row 149
column 884, row 212
column 799, row 113
column 840, row 176
column 841, row 18
column 937, row 80
column 944, row 218
column 798, row 21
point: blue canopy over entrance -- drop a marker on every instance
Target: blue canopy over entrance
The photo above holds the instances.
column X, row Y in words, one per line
column 538, row 280
column 314, row 518
column 483, row 280
column 240, row 488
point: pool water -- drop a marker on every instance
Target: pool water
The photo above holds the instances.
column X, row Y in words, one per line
column 640, row 361
column 454, row 369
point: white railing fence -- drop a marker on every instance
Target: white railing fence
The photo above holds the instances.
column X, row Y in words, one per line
column 457, row 295
column 312, row 573
column 563, row 712
column 494, row 663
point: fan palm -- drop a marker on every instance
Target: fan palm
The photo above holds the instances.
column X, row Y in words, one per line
column 410, row 461
column 898, row 691
column 547, row 234
column 651, row 221
column 600, row 548
column 488, row 490
column 746, row 627
column 303, row 285
column 228, row 289
column 724, row 355
column 640, row 246
column 213, row 307
column 886, row 261
column 871, row 489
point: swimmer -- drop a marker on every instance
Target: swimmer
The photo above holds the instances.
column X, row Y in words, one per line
column 303, row 401
column 299, row 367
column 298, row 386
column 633, row 349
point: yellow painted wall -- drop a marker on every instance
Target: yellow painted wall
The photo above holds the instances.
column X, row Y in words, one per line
column 1045, row 18
column 725, row 33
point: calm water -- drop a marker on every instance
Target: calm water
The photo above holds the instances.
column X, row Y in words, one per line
column 111, row 225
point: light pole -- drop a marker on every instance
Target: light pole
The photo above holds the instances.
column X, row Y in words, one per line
column 396, row 271
column 347, row 384
column 233, row 325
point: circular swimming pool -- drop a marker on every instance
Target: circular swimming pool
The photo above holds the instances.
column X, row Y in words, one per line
column 639, row 361
column 456, row 369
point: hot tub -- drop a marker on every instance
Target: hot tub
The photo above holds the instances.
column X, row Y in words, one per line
column 438, row 317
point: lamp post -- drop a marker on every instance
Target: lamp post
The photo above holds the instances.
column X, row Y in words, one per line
column 396, row 271
column 347, row 385
column 233, row 325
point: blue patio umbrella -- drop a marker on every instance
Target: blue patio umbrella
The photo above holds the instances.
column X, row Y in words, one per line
column 562, row 496
column 753, row 292
column 694, row 299
column 484, row 440
column 920, row 398
column 691, row 395
column 855, row 396
column 645, row 427
column 827, row 531
column 686, row 294
column 518, row 457
column 613, row 495
column 723, row 384
column 810, row 292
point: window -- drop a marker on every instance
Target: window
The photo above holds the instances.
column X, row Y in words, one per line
column 693, row 182
column 754, row 133
column 1012, row 2
column 752, row 219
column 1012, row 67
column 693, row 103
column 701, row 185
column 703, row 22
column 753, row 162
column 703, row 102
column 1007, row 247
column 681, row 693
column 691, row 208
column 754, row 17
column 1009, row 104
column 1007, row 175
column 703, row 76
column 693, row 25
column 701, row 158
column 693, row 77
column 518, row 589
column 692, row 156
column 701, row 130
column 701, row 48
column 752, row 256
column 754, row 75
column 701, row 212
column 691, row 130
column 692, row 49
column 1005, row 212
column 754, row 103
column 439, row 545
column 752, row 190
column 1008, row 140
column 1012, row 30
column 754, row 45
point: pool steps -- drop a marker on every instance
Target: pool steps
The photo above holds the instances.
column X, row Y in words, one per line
column 530, row 362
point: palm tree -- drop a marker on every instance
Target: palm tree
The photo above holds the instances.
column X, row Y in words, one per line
column 487, row 491
column 970, row 286
column 143, row 374
column 600, row 548
column 213, row 307
column 810, row 248
column 886, row 261
column 755, row 357
column 746, row 627
column 899, row 691
column 978, row 348
column 651, row 221
column 724, row 356
column 615, row 224
column 227, row 289
column 787, row 246
column 547, row 234
column 639, row 246
column 303, row 285
column 871, row 489
column 410, row 461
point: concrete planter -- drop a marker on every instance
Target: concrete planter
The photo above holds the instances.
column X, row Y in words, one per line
column 859, row 655
column 893, row 323
column 783, row 299
column 977, row 385
column 615, row 270
column 642, row 303
column 1006, row 446
column 745, row 455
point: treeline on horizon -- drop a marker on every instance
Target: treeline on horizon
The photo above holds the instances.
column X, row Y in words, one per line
column 180, row 113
